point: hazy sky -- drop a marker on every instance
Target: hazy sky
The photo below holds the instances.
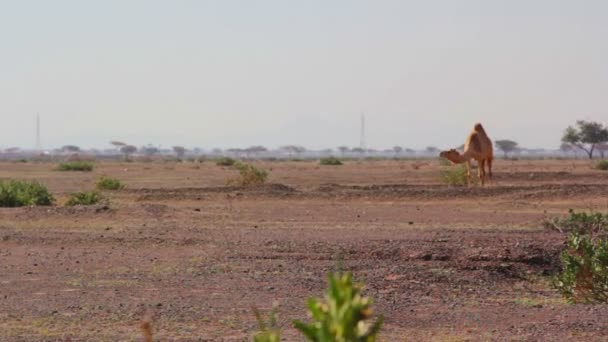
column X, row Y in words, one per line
column 230, row 73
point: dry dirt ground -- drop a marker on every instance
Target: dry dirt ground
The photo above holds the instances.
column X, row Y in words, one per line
column 442, row 263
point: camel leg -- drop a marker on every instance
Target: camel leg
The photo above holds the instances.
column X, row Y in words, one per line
column 490, row 168
column 481, row 171
column 468, row 163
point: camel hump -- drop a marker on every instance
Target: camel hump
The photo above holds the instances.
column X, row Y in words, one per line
column 478, row 128
column 475, row 143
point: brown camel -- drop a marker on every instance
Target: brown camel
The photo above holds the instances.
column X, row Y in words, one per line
column 477, row 146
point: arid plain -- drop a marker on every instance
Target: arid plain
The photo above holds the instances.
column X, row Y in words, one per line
column 442, row 263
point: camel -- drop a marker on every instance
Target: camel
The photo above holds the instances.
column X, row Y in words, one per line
column 478, row 146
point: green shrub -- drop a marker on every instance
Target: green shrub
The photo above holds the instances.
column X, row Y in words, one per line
column 225, row 161
column 85, row 198
column 584, row 278
column 582, row 222
column 330, row 161
column 107, row 183
column 19, row 193
column 456, row 176
column 267, row 332
column 602, row 165
column 249, row 175
column 75, row 166
column 344, row 315
column 444, row 162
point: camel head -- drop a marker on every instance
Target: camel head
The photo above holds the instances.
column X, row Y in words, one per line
column 451, row 155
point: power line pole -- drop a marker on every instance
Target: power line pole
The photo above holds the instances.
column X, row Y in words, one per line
column 38, row 141
column 362, row 142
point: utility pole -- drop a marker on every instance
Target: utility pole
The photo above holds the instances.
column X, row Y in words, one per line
column 362, row 142
column 38, row 141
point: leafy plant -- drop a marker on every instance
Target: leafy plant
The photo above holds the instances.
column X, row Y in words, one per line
column 344, row 315
column 225, row 161
column 107, row 183
column 15, row 193
column 330, row 161
column 581, row 222
column 267, row 332
column 249, row 175
column 75, row 166
column 602, row 165
column 584, row 278
column 456, row 176
column 85, row 198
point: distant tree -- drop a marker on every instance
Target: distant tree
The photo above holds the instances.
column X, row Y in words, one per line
column 409, row 150
column 128, row 150
column 256, row 149
column 358, row 150
column 291, row 149
column 117, row 144
column 343, row 149
column 506, row 146
column 150, row 150
column 70, row 148
column 397, row 149
column 180, row 151
column 432, row 149
column 586, row 136
column 217, row 151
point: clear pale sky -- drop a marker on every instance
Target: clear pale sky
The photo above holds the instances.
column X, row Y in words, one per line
column 228, row 73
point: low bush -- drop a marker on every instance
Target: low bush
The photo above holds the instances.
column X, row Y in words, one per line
column 344, row 315
column 225, row 161
column 20, row 193
column 580, row 222
column 85, row 198
column 249, row 175
column 268, row 332
column 456, row 176
column 602, row 165
column 107, row 183
column 78, row 165
column 584, row 278
column 330, row 161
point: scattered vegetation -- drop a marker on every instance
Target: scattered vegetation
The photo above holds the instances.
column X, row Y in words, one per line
column 108, row 183
column 330, row 161
column 225, row 161
column 456, row 176
column 78, row 165
column 581, row 223
column 602, row 165
column 506, row 146
column 586, row 136
column 344, row 315
column 584, row 278
column 85, row 198
column 267, row 332
column 249, row 175
column 15, row 193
